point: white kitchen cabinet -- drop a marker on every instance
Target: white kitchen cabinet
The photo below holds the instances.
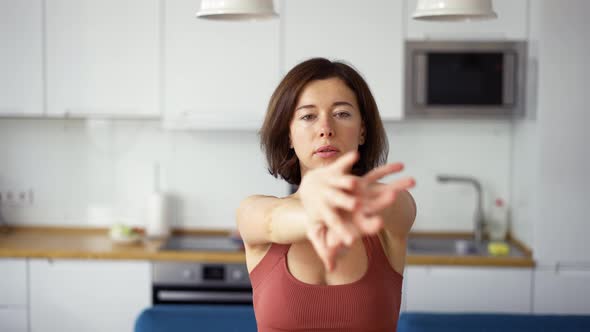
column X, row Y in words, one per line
column 511, row 24
column 81, row 295
column 21, row 84
column 554, row 195
column 13, row 282
column 218, row 74
column 103, row 58
column 562, row 155
column 13, row 319
column 468, row 289
column 565, row 290
column 367, row 36
column 13, row 295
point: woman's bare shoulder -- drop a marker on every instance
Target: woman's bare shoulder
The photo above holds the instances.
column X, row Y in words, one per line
column 263, row 199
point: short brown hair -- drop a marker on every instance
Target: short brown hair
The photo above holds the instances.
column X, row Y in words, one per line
column 274, row 134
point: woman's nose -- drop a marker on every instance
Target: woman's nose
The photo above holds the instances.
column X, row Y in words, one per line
column 327, row 132
column 326, row 128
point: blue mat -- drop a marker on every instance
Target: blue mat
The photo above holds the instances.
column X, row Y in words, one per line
column 196, row 318
column 224, row 318
column 460, row 322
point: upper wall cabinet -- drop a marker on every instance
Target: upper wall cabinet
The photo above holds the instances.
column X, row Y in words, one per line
column 21, row 85
column 510, row 24
column 218, row 74
column 103, row 58
column 367, row 36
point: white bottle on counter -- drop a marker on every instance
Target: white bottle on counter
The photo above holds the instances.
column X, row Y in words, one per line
column 498, row 222
column 157, row 210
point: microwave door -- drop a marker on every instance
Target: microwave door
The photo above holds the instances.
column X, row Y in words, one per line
column 509, row 76
column 464, row 78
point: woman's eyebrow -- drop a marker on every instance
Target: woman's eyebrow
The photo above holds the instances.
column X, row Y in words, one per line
column 304, row 106
column 341, row 103
column 337, row 103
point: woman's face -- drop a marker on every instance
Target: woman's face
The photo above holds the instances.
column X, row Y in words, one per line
column 326, row 114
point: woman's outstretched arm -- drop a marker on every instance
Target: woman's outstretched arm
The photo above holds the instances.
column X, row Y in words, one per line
column 266, row 219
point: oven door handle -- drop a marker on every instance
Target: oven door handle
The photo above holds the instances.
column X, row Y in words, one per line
column 170, row 295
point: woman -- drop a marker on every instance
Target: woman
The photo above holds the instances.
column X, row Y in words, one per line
column 329, row 257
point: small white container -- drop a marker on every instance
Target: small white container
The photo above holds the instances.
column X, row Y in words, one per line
column 156, row 212
column 497, row 224
column 157, row 216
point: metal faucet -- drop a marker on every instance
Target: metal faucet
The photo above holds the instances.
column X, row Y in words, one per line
column 478, row 218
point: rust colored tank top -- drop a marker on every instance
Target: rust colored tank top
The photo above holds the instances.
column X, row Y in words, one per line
column 284, row 303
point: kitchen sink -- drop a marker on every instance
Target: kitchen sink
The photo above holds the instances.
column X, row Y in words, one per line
column 454, row 246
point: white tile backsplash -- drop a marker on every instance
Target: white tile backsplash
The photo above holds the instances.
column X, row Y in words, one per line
column 477, row 148
column 76, row 164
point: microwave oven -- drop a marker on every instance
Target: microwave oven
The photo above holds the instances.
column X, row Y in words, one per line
column 464, row 78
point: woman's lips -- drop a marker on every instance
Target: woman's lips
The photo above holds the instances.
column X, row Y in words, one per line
column 327, row 154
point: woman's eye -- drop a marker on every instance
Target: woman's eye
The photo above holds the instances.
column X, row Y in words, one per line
column 307, row 117
column 343, row 114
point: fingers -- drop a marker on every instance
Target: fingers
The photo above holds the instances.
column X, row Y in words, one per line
column 326, row 245
column 344, row 182
column 317, row 237
column 380, row 197
column 335, row 222
column 382, row 171
column 345, row 162
column 368, row 224
column 339, row 199
column 332, row 240
column 402, row 184
column 380, row 202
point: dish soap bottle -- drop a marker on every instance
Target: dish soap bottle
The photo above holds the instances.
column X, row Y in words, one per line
column 498, row 223
column 156, row 210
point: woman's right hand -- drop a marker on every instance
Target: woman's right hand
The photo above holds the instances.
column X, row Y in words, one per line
column 343, row 207
column 327, row 191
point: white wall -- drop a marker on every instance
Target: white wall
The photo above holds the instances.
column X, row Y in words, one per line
column 563, row 136
column 551, row 184
column 74, row 164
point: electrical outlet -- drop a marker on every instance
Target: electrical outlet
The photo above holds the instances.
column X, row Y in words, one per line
column 16, row 197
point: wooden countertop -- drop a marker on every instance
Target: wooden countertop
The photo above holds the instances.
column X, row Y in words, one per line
column 94, row 243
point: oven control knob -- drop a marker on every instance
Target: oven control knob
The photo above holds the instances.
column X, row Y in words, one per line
column 188, row 274
column 237, row 274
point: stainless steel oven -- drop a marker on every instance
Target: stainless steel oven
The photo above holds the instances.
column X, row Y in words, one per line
column 200, row 282
column 464, row 78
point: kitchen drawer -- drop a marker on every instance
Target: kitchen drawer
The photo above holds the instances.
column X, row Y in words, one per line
column 468, row 289
column 13, row 283
column 69, row 295
column 562, row 291
column 13, row 319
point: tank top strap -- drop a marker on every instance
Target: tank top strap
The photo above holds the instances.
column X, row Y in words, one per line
column 369, row 247
column 376, row 252
column 273, row 256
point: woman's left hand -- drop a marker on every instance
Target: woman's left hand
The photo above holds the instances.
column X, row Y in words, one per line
column 374, row 198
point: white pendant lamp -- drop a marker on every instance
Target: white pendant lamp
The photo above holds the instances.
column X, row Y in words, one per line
column 454, row 10
column 236, row 10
